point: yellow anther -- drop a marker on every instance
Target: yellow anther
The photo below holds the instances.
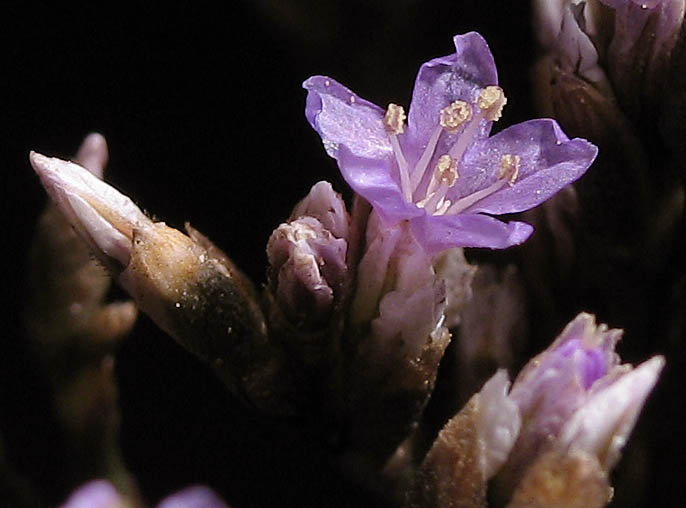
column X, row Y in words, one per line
column 491, row 101
column 395, row 119
column 509, row 168
column 454, row 116
column 446, row 170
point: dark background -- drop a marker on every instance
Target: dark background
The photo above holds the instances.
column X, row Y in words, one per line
column 203, row 113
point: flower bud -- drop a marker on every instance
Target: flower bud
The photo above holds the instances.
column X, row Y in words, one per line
column 67, row 286
column 75, row 330
column 574, row 471
column 327, row 206
column 184, row 283
column 308, row 259
column 578, row 404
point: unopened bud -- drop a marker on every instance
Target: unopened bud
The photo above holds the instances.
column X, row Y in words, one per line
column 308, row 270
column 579, row 406
column 184, row 283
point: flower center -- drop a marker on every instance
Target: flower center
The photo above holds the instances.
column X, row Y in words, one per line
column 458, row 117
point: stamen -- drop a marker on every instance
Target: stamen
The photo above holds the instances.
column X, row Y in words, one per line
column 455, row 115
column 507, row 175
column 445, row 172
column 463, row 203
column 423, row 161
column 444, row 177
column 466, row 137
column 395, row 124
column 509, row 168
column 402, row 168
column 395, row 119
column 435, row 200
column 442, row 205
column 491, row 101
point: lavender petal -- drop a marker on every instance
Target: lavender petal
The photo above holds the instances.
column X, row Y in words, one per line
column 468, row 230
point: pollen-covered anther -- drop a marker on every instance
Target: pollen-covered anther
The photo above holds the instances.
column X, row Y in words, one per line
column 455, row 116
column 446, row 170
column 491, row 102
column 395, row 119
column 509, row 168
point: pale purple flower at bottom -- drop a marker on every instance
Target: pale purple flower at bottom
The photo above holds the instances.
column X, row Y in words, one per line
column 193, row 497
column 441, row 171
column 95, row 494
column 102, row 494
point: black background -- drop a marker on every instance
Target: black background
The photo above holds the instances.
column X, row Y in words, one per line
column 202, row 108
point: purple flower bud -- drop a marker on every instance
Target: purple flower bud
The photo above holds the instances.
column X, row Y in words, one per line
column 557, row 382
column 308, row 260
column 327, row 206
column 574, row 469
column 578, row 405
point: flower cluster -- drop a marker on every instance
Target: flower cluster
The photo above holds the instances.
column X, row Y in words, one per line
column 359, row 308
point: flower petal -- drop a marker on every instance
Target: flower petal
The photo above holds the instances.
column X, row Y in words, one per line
column 548, row 162
column 343, row 119
column 373, row 180
column 444, row 80
column 437, row 233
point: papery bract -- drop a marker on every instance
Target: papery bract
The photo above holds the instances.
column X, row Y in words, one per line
column 442, row 172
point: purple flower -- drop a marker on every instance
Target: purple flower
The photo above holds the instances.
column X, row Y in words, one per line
column 442, row 172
